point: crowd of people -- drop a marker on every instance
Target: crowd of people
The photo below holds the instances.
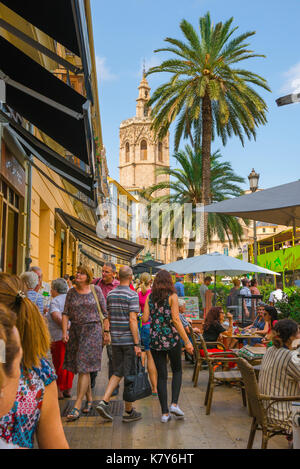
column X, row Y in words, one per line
column 50, row 333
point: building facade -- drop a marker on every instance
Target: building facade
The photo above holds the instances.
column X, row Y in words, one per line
column 30, row 191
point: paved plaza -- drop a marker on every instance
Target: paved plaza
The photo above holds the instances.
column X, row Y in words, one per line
column 227, row 427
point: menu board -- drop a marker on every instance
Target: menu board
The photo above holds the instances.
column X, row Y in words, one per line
column 191, row 307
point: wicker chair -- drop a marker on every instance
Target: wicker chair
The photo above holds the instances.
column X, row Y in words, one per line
column 257, row 410
column 220, row 377
column 197, row 356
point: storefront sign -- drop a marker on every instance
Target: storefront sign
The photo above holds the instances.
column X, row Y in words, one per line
column 281, row 260
column 12, row 171
column 191, row 307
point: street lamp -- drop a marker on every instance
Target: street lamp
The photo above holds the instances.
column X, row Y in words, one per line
column 288, row 99
column 253, row 182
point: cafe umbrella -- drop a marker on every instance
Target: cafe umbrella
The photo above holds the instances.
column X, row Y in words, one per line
column 215, row 264
column 279, row 205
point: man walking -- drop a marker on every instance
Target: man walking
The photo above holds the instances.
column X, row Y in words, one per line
column 107, row 283
column 122, row 307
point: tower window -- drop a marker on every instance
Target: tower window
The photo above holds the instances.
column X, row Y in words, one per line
column 143, row 150
column 160, row 151
column 127, row 152
column 145, row 110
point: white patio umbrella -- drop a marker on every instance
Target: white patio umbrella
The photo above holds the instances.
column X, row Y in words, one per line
column 215, row 263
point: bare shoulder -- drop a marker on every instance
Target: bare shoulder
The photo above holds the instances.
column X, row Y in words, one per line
column 173, row 298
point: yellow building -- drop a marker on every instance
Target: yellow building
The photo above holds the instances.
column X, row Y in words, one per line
column 31, row 191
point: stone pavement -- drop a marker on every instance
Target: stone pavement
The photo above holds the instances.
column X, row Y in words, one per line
column 227, row 427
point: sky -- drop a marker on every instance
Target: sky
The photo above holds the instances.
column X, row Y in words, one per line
column 127, row 32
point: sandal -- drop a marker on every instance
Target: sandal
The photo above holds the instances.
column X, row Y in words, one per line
column 88, row 407
column 73, row 415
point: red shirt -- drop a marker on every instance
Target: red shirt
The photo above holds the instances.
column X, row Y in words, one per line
column 106, row 287
column 131, row 287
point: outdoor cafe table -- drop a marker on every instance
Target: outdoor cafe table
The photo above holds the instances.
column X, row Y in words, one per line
column 240, row 337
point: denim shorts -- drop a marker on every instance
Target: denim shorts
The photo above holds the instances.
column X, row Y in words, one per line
column 145, row 337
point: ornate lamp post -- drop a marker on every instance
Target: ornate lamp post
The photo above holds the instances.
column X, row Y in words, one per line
column 253, row 182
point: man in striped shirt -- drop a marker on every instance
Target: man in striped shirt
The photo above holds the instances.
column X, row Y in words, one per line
column 123, row 308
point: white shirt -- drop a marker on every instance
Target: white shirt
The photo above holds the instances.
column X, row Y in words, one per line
column 57, row 305
column 276, row 295
column 246, row 292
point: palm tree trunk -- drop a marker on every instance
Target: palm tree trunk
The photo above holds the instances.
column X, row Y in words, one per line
column 206, row 153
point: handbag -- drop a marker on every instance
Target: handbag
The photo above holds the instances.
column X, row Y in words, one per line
column 98, row 307
column 137, row 386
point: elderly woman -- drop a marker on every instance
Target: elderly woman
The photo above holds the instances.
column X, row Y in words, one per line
column 85, row 308
column 59, row 289
column 32, row 283
column 280, row 372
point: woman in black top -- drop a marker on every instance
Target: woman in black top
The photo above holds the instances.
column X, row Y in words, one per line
column 212, row 327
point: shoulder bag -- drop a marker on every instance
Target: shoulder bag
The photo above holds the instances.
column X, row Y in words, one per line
column 137, row 386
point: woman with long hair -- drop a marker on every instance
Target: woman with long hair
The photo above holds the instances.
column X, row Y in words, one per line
column 36, row 410
column 161, row 307
column 10, row 361
column 144, row 292
column 212, row 328
column 271, row 318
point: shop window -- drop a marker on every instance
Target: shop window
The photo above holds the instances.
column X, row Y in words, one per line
column 9, row 209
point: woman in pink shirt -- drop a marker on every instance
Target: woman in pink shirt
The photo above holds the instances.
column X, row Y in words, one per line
column 143, row 292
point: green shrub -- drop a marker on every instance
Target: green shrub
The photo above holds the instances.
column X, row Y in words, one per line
column 290, row 308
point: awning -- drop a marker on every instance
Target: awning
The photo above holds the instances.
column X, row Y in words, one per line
column 279, row 205
column 149, row 266
column 92, row 258
column 115, row 246
column 64, row 21
column 47, row 102
column 67, row 170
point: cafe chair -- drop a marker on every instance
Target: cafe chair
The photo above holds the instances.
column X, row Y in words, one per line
column 216, row 378
column 259, row 405
column 198, row 358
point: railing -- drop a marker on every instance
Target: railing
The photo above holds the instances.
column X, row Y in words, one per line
column 288, row 243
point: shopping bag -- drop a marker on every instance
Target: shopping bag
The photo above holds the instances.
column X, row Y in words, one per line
column 137, row 386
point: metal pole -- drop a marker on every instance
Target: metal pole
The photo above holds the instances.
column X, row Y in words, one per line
column 255, row 246
column 28, row 215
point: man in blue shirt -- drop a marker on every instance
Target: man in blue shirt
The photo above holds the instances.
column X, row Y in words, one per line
column 179, row 287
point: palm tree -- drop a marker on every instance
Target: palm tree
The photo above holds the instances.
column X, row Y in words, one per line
column 206, row 94
column 184, row 186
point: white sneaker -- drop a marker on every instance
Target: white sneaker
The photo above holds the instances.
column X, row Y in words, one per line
column 176, row 411
column 165, row 418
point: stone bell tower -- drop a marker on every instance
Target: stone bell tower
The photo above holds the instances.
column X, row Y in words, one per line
column 140, row 153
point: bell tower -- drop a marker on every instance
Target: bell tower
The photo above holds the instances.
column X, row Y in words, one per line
column 140, row 152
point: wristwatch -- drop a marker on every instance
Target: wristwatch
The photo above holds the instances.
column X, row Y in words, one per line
column 107, row 332
column 137, row 345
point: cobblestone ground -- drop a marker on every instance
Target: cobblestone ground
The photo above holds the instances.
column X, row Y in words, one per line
column 227, row 427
